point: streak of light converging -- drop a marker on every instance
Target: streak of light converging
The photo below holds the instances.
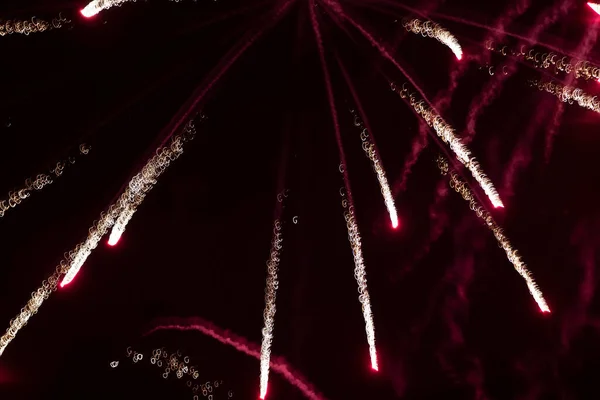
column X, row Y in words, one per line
column 269, row 313
column 353, row 234
column 15, row 197
column 95, row 7
column 461, row 187
column 568, row 94
column 33, row 25
column 74, row 259
column 435, row 31
column 371, row 152
column 278, row 364
column 446, row 133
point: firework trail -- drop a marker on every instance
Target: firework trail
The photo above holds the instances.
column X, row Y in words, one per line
column 568, row 94
column 95, row 7
column 460, row 275
column 269, row 313
column 16, row 196
column 513, row 256
column 353, row 233
column 34, row 25
column 582, row 51
column 595, row 7
column 435, row 31
column 278, row 364
column 370, row 147
column 446, row 133
column 494, row 87
column 74, row 259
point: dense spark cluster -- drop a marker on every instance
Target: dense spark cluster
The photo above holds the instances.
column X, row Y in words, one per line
column 446, row 133
column 144, row 181
column 270, row 299
column 435, row 31
column 371, row 152
column 178, row 365
column 360, row 275
column 461, row 187
column 74, row 259
column 568, row 94
column 33, row 25
column 15, row 197
column 581, row 69
column 96, row 6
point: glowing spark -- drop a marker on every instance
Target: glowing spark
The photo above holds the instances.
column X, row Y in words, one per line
column 433, row 30
column 595, row 7
column 371, row 152
column 76, row 257
column 446, row 133
column 34, row 25
column 569, row 94
column 16, row 196
column 96, row 6
column 269, row 313
column 461, row 187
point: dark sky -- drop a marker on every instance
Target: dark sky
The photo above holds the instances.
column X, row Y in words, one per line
column 452, row 317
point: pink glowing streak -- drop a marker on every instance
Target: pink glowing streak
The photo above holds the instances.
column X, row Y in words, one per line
column 595, row 7
column 278, row 364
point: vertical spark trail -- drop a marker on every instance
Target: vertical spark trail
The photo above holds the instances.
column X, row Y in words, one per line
column 96, row 6
column 74, row 259
column 278, row 364
column 446, row 133
column 513, row 256
column 370, row 148
column 16, row 196
column 494, row 87
column 353, row 233
column 435, row 31
column 269, row 313
column 371, row 151
column 34, row 25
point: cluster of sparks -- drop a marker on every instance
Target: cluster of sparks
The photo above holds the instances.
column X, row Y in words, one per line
column 371, row 152
column 33, row 25
column 446, row 133
column 15, row 197
column 568, row 94
column 360, row 275
column 581, row 69
column 98, row 6
column 179, row 365
column 73, row 261
column 435, row 31
column 269, row 313
column 462, row 188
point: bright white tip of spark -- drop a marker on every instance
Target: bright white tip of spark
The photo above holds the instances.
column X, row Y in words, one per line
column 114, row 238
column 436, row 31
column 595, row 7
column 446, row 133
column 360, row 275
column 269, row 313
column 95, row 7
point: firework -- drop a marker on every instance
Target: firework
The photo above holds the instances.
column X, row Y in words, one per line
column 461, row 187
column 353, row 234
column 73, row 261
column 446, row 133
column 595, row 7
column 435, row 31
column 269, row 313
column 33, row 25
column 95, row 7
column 568, row 94
column 16, row 196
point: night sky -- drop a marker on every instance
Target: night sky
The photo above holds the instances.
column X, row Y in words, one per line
column 453, row 319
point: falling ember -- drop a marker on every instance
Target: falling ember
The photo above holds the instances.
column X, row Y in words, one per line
column 115, row 236
column 435, row 31
column 269, row 313
column 595, row 7
column 70, row 266
column 96, row 6
column 512, row 254
column 446, row 133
